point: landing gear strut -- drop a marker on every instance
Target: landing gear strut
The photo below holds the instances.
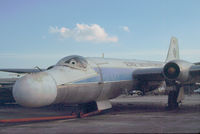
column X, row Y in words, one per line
column 93, row 108
column 173, row 100
column 87, row 108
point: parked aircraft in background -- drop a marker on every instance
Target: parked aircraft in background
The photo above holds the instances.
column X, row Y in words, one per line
column 91, row 82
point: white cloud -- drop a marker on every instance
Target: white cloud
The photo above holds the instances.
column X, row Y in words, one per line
column 126, row 29
column 84, row 32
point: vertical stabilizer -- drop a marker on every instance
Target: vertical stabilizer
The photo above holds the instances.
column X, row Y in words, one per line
column 173, row 52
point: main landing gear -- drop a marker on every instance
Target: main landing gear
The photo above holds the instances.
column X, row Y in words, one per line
column 175, row 97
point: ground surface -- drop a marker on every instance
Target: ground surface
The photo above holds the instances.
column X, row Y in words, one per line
column 129, row 115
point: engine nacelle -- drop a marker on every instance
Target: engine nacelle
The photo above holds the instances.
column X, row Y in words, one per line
column 178, row 70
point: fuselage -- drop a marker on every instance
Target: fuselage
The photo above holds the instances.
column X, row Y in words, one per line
column 76, row 80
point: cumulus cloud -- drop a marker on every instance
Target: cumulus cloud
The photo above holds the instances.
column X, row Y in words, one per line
column 126, row 29
column 84, row 32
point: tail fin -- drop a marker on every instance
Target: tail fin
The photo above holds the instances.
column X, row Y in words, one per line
column 173, row 52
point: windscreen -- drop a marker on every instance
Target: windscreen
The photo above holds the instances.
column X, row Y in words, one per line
column 74, row 61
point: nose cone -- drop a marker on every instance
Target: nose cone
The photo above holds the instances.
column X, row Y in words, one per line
column 35, row 90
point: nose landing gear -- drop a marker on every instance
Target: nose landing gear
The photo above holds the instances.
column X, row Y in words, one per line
column 93, row 108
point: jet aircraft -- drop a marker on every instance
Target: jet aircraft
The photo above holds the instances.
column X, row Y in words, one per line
column 91, row 82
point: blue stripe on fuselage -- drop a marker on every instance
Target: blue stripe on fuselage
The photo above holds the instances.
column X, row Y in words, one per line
column 89, row 80
column 110, row 74
column 116, row 74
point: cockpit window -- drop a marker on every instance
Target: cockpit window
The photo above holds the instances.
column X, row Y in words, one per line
column 73, row 61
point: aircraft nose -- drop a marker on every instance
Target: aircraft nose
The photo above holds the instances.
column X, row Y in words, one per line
column 35, row 90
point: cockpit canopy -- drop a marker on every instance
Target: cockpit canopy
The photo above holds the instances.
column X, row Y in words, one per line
column 73, row 61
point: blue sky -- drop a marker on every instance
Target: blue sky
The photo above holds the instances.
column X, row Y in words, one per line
column 40, row 32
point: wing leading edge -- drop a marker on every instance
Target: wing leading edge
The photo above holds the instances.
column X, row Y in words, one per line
column 21, row 70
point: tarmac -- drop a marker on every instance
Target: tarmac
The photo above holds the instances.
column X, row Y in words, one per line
column 130, row 114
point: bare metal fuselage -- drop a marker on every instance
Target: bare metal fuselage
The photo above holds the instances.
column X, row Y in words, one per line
column 102, row 79
column 78, row 80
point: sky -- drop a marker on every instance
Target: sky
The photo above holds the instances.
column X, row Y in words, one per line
column 40, row 32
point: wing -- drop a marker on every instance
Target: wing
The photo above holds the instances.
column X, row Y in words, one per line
column 10, row 81
column 177, row 70
column 13, row 70
column 6, row 84
column 147, row 79
column 148, row 74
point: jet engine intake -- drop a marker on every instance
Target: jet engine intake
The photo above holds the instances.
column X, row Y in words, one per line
column 177, row 70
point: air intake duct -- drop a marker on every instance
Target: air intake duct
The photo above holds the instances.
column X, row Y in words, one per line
column 177, row 70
